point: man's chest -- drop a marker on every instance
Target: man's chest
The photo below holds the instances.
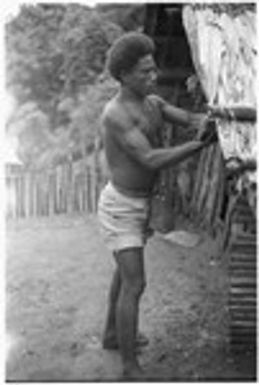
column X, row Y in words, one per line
column 150, row 122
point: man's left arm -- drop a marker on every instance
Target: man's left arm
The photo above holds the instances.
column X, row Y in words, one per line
column 200, row 122
column 183, row 117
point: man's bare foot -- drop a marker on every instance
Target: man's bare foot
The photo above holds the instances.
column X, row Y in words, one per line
column 132, row 372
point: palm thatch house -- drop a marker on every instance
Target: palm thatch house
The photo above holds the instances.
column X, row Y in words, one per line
column 216, row 45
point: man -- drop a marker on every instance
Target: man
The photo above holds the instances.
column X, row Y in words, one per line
column 132, row 121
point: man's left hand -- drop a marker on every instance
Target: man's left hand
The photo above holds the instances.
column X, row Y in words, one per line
column 208, row 132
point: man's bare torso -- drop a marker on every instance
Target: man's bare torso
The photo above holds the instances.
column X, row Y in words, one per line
column 126, row 173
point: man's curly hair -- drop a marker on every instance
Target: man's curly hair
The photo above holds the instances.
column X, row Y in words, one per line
column 126, row 52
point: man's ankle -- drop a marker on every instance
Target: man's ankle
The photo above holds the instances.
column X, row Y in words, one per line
column 131, row 364
column 132, row 370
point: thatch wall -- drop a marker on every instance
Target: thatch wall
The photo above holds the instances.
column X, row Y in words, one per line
column 224, row 51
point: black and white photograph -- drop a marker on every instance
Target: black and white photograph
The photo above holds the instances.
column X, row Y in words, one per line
column 130, row 191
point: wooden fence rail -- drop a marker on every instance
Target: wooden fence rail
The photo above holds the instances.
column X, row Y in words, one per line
column 75, row 187
column 68, row 188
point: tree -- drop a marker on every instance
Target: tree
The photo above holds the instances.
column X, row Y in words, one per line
column 84, row 114
column 34, row 60
column 55, row 62
column 127, row 16
column 55, row 50
column 85, row 38
column 31, row 126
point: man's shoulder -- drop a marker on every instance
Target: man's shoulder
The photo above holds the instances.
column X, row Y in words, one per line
column 156, row 99
column 157, row 103
column 112, row 107
column 109, row 107
column 114, row 114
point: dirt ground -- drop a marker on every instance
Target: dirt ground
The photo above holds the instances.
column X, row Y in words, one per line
column 57, row 275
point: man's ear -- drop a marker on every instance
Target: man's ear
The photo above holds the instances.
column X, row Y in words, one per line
column 124, row 75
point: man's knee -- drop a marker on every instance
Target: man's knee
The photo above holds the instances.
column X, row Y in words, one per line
column 134, row 287
column 131, row 266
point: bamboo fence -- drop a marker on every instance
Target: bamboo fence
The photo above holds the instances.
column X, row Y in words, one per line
column 68, row 188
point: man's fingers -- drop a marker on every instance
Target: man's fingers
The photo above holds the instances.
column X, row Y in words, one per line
column 209, row 132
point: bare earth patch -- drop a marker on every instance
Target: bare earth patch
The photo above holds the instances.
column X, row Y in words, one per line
column 58, row 274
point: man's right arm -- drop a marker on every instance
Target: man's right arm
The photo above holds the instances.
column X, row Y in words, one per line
column 128, row 134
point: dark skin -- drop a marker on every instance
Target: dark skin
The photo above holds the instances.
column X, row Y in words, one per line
column 131, row 123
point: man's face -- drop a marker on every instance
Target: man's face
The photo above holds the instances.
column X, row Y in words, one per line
column 142, row 78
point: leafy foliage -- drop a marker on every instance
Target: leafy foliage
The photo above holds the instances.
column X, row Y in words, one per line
column 33, row 57
column 30, row 126
column 55, row 56
column 55, row 50
column 84, row 115
column 127, row 16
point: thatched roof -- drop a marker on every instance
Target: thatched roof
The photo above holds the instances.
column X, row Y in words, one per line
column 223, row 43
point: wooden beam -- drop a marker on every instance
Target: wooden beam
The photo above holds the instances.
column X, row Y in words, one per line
column 169, row 76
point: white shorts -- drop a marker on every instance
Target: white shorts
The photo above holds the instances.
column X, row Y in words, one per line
column 123, row 219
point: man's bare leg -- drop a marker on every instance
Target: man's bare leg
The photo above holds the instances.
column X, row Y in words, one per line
column 131, row 267
column 110, row 340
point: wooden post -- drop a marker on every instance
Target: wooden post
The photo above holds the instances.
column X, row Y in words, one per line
column 17, row 191
column 94, row 182
column 21, row 196
column 8, row 196
column 86, row 207
column 24, row 190
column 205, row 181
column 64, row 187
column 221, row 190
column 198, row 181
column 54, row 191
column 75, row 193
column 37, row 213
column 213, row 185
column 34, row 195
column 84, row 195
column 11, row 197
column 69, row 188
column 58, row 194
column 38, row 197
column 14, row 197
column 43, row 192
column 27, row 195
column 97, row 181
column 89, row 201
column 51, row 177
column 40, row 192
column 47, row 192
column 81, row 191
column 31, row 194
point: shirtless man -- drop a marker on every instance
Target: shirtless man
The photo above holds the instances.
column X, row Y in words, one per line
column 131, row 123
